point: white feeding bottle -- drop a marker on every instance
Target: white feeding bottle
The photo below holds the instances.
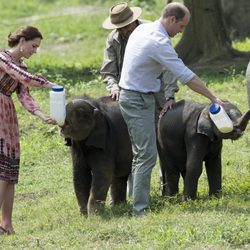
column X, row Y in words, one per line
column 220, row 118
column 57, row 104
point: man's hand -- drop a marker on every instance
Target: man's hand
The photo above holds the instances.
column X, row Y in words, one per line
column 168, row 105
column 115, row 94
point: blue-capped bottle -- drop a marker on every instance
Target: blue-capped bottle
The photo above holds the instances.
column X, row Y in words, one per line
column 220, row 118
column 57, row 104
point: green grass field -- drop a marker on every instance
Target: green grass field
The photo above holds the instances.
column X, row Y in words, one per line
column 46, row 214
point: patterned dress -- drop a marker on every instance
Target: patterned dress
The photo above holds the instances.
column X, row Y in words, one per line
column 13, row 78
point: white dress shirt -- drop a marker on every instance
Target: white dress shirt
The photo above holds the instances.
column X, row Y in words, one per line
column 148, row 53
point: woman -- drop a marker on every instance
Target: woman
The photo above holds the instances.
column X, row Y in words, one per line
column 15, row 78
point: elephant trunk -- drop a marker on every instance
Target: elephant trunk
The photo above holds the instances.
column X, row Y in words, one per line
column 243, row 121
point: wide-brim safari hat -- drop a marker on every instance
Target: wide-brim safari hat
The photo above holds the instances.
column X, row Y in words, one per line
column 120, row 15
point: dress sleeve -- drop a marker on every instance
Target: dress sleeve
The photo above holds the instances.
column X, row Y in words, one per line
column 22, row 75
column 26, row 99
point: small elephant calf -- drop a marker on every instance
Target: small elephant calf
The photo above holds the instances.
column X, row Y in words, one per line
column 101, row 151
column 187, row 137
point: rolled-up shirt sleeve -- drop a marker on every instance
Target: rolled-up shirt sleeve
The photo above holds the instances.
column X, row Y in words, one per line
column 109, row 70
column 165, row 54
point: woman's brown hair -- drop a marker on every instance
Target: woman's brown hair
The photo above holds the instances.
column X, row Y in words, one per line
column 27, row 32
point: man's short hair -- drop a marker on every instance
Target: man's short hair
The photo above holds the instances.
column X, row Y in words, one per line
column 175, row 9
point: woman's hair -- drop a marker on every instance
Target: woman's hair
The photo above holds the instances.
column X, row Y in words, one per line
column 27, row 32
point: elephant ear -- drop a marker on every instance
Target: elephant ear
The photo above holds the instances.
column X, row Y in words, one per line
column 204, row 124
column 98, row 136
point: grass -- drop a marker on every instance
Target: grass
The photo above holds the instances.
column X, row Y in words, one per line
column 46, row 214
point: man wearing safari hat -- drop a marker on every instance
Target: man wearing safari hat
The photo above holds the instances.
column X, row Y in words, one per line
column 122, row 21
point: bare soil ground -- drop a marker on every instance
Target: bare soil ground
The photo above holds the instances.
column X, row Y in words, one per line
column 64, row 11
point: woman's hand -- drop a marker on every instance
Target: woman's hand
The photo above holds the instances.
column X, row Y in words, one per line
column 48, row 120
column 218, row 101
column 45, row 118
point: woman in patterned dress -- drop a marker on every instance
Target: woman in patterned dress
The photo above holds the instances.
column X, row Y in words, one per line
column 15, row 78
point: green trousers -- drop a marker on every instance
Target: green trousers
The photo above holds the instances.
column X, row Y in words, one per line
column 138, row 111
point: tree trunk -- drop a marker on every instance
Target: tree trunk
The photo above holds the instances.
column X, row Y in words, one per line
column 205, row 38
column 236, row 15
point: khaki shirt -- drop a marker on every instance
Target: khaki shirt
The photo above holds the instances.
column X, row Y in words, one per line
column 112, row 67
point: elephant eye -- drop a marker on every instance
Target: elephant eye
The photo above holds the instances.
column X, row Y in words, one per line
column 83, row 117
column 86, row 116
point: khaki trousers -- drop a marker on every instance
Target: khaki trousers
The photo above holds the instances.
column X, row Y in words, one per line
column 138, row 111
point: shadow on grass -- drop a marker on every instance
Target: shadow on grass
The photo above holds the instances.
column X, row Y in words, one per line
column 219, row 69
column 227, row 203
column 72, row 74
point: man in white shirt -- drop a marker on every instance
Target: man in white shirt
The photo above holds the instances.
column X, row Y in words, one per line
column 123, row 20
column 148, row 53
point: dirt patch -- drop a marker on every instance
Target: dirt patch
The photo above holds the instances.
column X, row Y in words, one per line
column 220, row 66
column 29, row 196
column 32, row 196
column 58, row 47
column 65, row 11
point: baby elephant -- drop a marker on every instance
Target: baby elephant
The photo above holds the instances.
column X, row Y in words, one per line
column 187, row 137
column 101, row 151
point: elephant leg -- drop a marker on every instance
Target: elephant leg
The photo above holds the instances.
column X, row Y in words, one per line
column 99, row 188
column 213, row 169
column 172, row 182
column 81, row 177
column 130, row 185
column 162, row 170
column 183, row 174
column 118, row 190
column 163, row 179
column 196, row 151
column 82, row 183
column 171, row 176
column 193, row 173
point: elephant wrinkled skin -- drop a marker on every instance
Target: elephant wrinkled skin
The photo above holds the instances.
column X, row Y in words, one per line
column 101, row 151
column 187, row 137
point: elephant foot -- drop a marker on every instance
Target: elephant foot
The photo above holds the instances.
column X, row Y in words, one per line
column 217, row 194
column 117, row 203
column 84, row 212
column 188, row 197
column 96, row 207
column 166, row 192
